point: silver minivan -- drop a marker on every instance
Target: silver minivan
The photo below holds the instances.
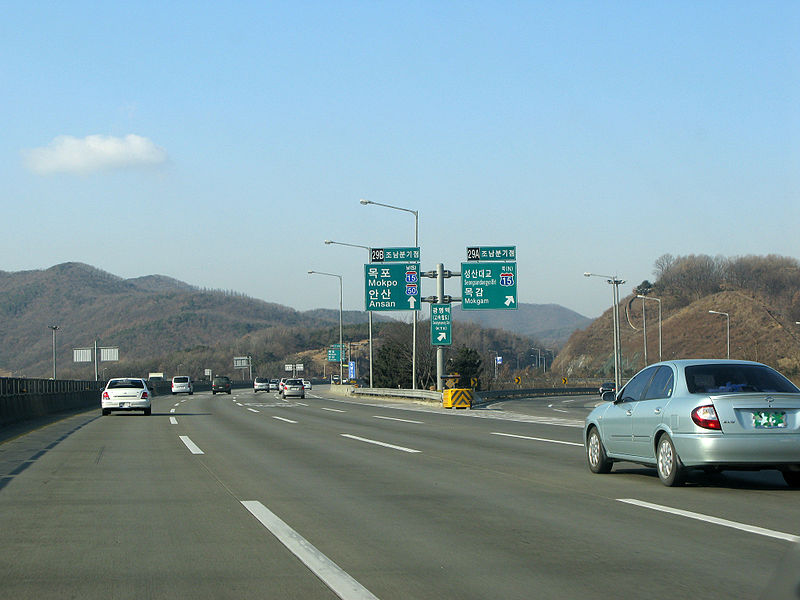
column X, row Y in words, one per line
column 182, row 384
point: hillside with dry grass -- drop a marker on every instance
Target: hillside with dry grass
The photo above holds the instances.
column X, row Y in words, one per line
column 761, row 295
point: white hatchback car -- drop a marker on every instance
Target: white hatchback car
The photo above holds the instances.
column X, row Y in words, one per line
column 182, row 384
column 125, row 393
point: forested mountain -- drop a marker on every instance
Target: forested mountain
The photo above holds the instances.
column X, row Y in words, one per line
column 162, row 324
column 761, row 295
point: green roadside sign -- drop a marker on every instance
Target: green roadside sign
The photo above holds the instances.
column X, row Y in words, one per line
column 441, row 325
column 392, row 286
column 491, row 285
column 335, row 353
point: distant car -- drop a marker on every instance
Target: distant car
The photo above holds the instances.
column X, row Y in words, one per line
column 181, row 384
column 260, row 384
column 699, row 414
column 273, row 385
column 608, row 386
column 221, row 384
column 125, row 394
column 293, row 387
column 281, row 383
column 306, row 384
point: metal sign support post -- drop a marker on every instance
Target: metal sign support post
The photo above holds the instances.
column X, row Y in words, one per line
column 440, row 298
column 439, row 349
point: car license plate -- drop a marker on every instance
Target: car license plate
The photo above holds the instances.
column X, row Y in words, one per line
column 769, row 420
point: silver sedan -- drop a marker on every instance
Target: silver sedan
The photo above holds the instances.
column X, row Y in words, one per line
column 699, row 414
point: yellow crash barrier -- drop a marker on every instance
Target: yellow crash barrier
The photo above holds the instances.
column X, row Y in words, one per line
column 458, row 398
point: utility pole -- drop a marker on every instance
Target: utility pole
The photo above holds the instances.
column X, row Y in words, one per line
column 54, row 328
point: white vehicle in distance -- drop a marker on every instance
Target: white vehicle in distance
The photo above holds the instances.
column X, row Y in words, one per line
column 293, row 387
column 306, row 384
column 182, row 384
column 260, row 384
column 125, row 393
column 281, row 384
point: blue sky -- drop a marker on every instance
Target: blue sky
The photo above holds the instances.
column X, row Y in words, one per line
column 221, row 144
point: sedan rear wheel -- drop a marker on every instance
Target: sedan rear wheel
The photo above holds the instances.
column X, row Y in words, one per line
column 670, row 468
column 596, row 453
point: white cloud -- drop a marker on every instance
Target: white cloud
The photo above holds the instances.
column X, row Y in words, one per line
column 67, row 154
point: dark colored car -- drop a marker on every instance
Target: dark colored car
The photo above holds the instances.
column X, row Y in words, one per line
column 608, row 386
column 221, row 384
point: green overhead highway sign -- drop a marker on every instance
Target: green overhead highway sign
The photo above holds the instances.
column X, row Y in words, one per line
column 441, row 325
column 491, row 285
column 335, row 354
column 392, row 286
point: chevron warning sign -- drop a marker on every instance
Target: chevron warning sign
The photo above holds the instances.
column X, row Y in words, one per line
column 459, row 398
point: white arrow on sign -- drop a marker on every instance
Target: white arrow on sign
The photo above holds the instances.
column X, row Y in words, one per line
column 442, row 336
column 411, row 302
column 509, row 300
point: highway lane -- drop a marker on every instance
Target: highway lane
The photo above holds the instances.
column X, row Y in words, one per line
column 407, row 501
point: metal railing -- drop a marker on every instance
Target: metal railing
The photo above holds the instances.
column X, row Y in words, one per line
column 16, row 386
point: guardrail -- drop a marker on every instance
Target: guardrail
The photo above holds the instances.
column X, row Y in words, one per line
column 398, row 393
column 12, row 386
column 522, row 393
column 22, row 399
column 478, row 398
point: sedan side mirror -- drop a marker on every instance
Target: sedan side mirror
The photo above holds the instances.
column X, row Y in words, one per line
column 609, row 396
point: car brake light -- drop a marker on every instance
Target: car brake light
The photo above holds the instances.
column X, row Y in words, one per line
column 144, row 395
column 106, row 396
column 706, row 417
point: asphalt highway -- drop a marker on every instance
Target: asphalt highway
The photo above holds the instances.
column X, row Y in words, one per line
column 249, row 496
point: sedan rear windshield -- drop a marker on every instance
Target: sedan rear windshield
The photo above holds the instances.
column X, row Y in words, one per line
column 294, row 382
column 731, row 379
column 181, row 380
column 126, row 383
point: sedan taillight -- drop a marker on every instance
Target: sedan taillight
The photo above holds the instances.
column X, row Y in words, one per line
column 144, row 396
column 706, row 417
column 106, row 396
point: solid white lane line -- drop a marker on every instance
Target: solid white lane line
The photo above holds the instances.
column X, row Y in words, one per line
column 333, row 410
column 342, row 584
column 253, row 410
column 285, row 420
column 401, row 420
column 173, row 421
column 377, row 443
column 536, row 439
column 191, row 445
column 715, row 520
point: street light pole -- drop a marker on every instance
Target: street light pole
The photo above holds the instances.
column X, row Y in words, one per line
column 615, row 283
column 341, row 349
column 369, row 312
column 728, row 328
column 414, row 326
column 54, row 328
column 659, row 322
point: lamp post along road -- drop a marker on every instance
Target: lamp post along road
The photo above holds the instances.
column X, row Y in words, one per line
column 615, row 283
column 414, row 326
column 369, row 312
column 728, row 328
column 659, row 324
column 341, row 348
column 54, row 328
